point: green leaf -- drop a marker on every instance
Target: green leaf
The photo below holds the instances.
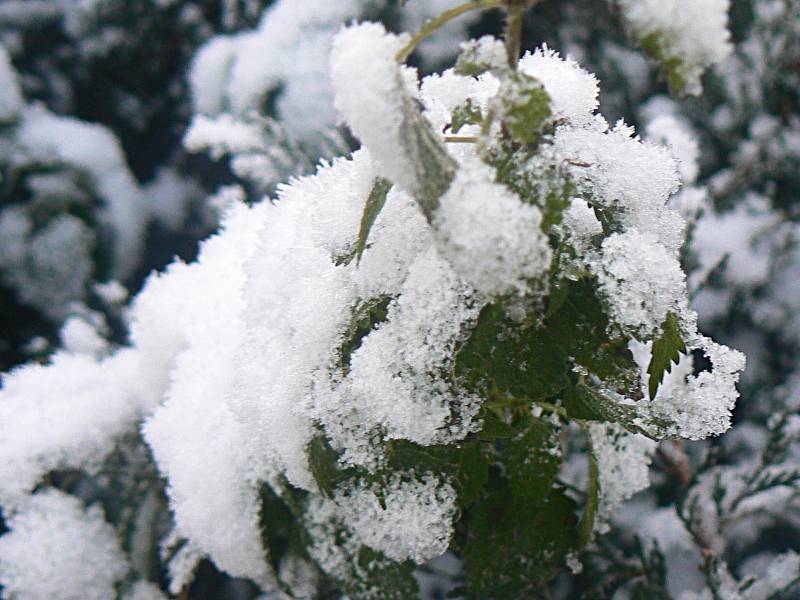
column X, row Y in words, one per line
column 502, row 355
column 557, row 296
column 525, row 107
column 365, row 574
column 532, row 460
column 587, row 404
column 466, row 114
column 581, row 329
column 373, row 207
column 673, row 68
column 667, row 349
column 474, row 61
column 464, row 465
column 535, row 179
column 473, row 473
column 494, row 427
column 513, row 548
column 380, row 577
column 367, row 314
column 324, row 464
column 406, row 455
column 433, row 168
column 277, row 525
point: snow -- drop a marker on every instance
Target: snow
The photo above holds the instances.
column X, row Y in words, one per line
column 193, row 434
column 573, row 92
column 55, row 139
column 65, row 415
column 396, row 384
column 288, row 51
column 624, row 173
column 33, row 262
column 691, row 32
column 416, row 523
column 665, row 128
column 373, row 103
column 286, row 58
column 742, row 237
column 222, row 135
column 623, row 461
column 580, row 225
column 58, row 549
column 79, row 336
column 782, row 570
column 111, row 292
column 144, row 590
column 489, row 236
column 11, row 102
column 208, row 72
column 169, row 197
column 640, row 281
column 702, row 406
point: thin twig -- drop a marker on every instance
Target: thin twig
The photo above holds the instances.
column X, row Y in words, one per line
column 436, row 23
column 460, row 139
column 515, row 8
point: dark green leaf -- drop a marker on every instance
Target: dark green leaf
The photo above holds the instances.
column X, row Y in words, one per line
column 277, row 524
column 473, row 473
column 525, row 107
column 380, row 577
column 406, row 455
column 531, row 461
column 372, row 208
column 558, row 294
column 495, row 427
column 367, row 314
column 581, row 329
column 502, row 355
column 586, row 403
column 513, row 549
column 666, row 350
column 324, row 464
column 464, row 464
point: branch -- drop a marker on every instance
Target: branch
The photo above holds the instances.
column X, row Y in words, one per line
column 436, row 23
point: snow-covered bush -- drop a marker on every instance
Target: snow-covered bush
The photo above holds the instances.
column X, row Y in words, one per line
column 72, row 215
column 455, row 352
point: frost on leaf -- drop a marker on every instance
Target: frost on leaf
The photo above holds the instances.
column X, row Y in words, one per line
column 685, row 36
column 623, row 461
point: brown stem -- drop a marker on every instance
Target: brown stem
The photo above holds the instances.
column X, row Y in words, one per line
column 515, row 9
column 676, row 461
column 436, row 23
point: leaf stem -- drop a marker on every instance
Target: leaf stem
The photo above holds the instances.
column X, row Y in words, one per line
column 586, row 526
column 460, row 139
column 515, row 8
column 436, row 23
